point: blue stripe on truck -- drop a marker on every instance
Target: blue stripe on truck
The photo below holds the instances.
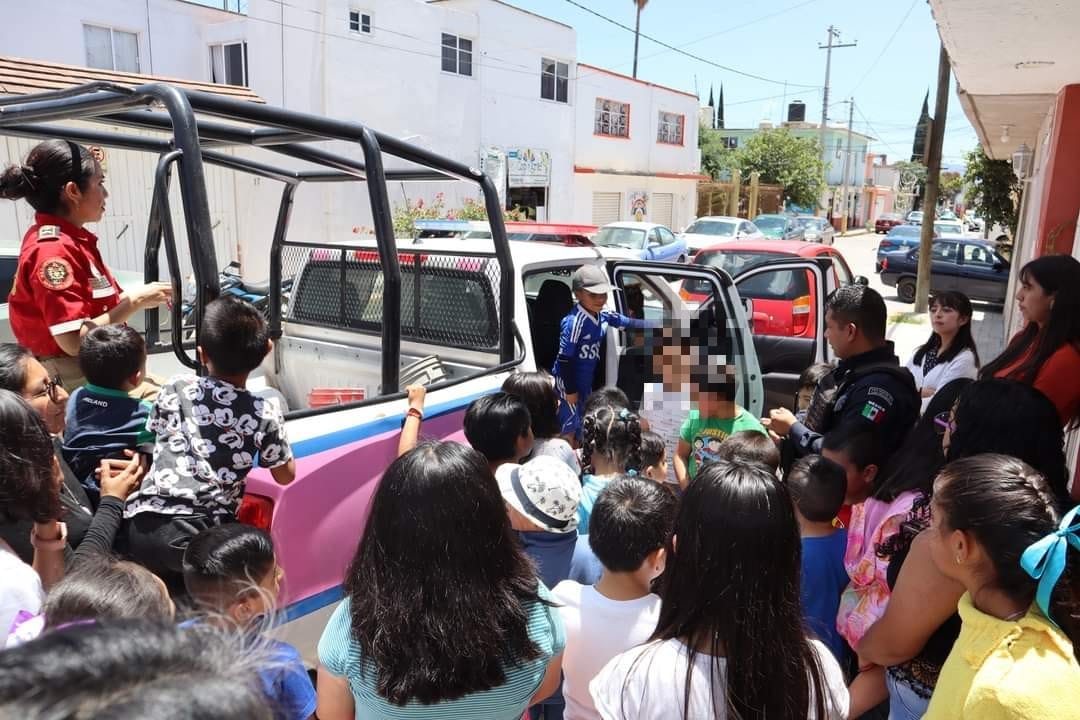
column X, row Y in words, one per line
column 322, row 443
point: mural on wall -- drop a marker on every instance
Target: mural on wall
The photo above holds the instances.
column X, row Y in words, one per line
column 639, row 205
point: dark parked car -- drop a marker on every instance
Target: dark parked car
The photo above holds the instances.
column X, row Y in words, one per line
column 901, row 237
column 887, row 221
column 971, row 266
column 779, row 227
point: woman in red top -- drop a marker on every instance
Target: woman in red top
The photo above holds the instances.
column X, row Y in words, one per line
column 1046, row 353
column 62, row 287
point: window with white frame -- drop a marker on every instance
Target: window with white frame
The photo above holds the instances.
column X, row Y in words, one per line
column 457, row 54
column 109, row 49
column 229, row 64
column 669, row 130
column 554, row 80
column 360, row 22
column 612, row 118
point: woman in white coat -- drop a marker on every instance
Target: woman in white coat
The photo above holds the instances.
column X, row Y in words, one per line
column 950, row 352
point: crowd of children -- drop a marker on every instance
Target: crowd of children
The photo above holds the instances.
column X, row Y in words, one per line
column 581, row 557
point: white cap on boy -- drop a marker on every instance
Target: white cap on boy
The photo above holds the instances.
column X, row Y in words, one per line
column 545, row 490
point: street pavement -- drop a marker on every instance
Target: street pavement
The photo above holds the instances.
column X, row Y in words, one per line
column 907, row 329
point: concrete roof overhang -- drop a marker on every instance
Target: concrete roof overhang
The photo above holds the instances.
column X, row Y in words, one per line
column 1010, row 59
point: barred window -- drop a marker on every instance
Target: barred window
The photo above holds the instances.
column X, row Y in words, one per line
column 612, row 118
column 669, row 130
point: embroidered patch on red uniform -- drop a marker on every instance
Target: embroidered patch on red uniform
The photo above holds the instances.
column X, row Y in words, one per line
column 55, row 274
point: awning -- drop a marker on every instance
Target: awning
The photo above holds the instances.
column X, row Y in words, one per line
column 19, row 76
column 1010, row 58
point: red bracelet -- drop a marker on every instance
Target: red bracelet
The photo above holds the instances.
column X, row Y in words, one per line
column 413, row 412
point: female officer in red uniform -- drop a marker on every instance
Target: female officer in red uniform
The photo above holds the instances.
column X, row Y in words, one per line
column 62, row 287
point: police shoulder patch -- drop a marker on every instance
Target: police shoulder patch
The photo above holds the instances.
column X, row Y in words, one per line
column 48, row 232
column 55, row 273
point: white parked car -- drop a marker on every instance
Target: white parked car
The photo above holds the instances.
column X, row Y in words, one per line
column 714, row 229
column 949, row 229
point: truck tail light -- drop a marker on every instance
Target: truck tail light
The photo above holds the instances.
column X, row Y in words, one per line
column 885, row 263
column 800, row 314
column 257, row 511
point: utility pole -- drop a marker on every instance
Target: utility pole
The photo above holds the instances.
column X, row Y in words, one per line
column 933, row 180
column 832, row 34
column 637, row 30
column 847, row 163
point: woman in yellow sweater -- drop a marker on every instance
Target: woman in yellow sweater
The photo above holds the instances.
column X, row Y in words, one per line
column 997, row 530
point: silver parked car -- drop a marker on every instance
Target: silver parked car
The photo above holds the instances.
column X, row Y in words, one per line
column 816, row 229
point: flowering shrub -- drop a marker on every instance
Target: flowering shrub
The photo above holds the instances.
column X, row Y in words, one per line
column 405, row 216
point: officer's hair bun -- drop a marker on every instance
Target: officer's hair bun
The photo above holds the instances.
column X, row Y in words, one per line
column 18, row 181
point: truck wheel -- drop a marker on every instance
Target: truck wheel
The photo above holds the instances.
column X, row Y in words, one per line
column 906, row 290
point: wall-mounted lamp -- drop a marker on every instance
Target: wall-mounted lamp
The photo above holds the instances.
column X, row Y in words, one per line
column 1021, row 161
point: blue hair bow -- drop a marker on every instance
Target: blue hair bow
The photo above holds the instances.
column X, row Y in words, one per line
column 1045, row 560
column 624, row 414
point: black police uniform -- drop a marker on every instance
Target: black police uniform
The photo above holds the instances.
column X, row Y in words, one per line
column 869, row 390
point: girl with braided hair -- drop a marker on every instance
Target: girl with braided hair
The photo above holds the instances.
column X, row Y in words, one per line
column 996, row 530
column 611, row 448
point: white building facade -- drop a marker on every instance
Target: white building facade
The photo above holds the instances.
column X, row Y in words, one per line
column 636, row 156
column 479, row 81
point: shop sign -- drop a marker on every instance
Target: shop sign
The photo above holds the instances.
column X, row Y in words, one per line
column 528, row 167
column 493, row 164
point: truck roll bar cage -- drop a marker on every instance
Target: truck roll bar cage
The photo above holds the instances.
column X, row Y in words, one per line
column 192, row 141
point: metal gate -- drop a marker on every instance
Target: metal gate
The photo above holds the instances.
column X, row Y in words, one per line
column 662, row 208
column 605, row 207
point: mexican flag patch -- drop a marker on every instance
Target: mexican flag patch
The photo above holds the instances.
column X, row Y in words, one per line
column 873, row 412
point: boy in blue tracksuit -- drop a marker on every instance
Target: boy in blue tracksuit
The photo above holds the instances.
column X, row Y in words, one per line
column 580, row 336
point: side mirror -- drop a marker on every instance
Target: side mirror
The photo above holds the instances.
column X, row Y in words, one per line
column 861, row 280
column 1000, row 265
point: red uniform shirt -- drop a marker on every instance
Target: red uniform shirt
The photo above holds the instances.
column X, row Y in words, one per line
column 60, row 282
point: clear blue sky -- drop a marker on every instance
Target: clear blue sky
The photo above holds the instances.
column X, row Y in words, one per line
column 778, row 39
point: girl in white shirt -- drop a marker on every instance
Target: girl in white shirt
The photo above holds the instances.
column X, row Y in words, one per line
column 729, row 640
column 950, row 352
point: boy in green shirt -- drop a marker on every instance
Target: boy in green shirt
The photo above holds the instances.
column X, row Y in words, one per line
column 715, row 417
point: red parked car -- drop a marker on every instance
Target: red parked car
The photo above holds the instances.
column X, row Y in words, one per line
column 887, row 221
column 782, row 300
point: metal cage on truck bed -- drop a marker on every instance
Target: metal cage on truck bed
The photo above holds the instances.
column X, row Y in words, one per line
column 475, row 319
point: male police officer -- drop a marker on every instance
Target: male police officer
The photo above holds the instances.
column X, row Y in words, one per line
column 868, row 387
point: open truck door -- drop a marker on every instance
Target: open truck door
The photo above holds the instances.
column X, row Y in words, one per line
column 651, row 291
column 784, row 356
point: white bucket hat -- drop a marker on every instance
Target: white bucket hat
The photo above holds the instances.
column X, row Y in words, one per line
column 545, row 490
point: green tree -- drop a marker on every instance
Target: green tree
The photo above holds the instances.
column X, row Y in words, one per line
column 992, row 190
column 950, row 185
column 716, row 160
column 783, row 159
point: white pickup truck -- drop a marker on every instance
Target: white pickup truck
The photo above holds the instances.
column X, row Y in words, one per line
column 366, row 317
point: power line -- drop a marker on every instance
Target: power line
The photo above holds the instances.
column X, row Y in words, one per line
column 883, row 142
column 731, row 29
column 885, row 48
column 688, row 54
